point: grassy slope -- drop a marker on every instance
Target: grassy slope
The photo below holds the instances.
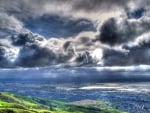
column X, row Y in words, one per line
column 10, row 103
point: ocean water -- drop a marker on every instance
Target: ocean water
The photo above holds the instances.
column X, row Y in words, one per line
column 127, row 87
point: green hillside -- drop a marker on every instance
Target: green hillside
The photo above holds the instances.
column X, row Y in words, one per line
column 10, row 103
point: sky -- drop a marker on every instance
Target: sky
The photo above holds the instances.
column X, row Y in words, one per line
column 35, row 33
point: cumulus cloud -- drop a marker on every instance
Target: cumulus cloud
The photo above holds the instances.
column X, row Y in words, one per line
column 34, row 50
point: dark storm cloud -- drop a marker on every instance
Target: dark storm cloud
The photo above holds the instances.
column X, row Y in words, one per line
column 113, row 57
column 25, row 38
column 33, row 55
column 25, row 50
column 109, row 32
column 31, row 52
column 134, row 55
column 116, row 31
column 139, row 53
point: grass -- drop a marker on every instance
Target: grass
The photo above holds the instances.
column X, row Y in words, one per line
column 11, row 103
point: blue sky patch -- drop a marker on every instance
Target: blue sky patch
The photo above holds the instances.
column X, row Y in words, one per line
column 55, row 26
column 136, row 14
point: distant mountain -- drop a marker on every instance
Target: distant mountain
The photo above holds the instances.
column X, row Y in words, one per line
column 11, row 103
